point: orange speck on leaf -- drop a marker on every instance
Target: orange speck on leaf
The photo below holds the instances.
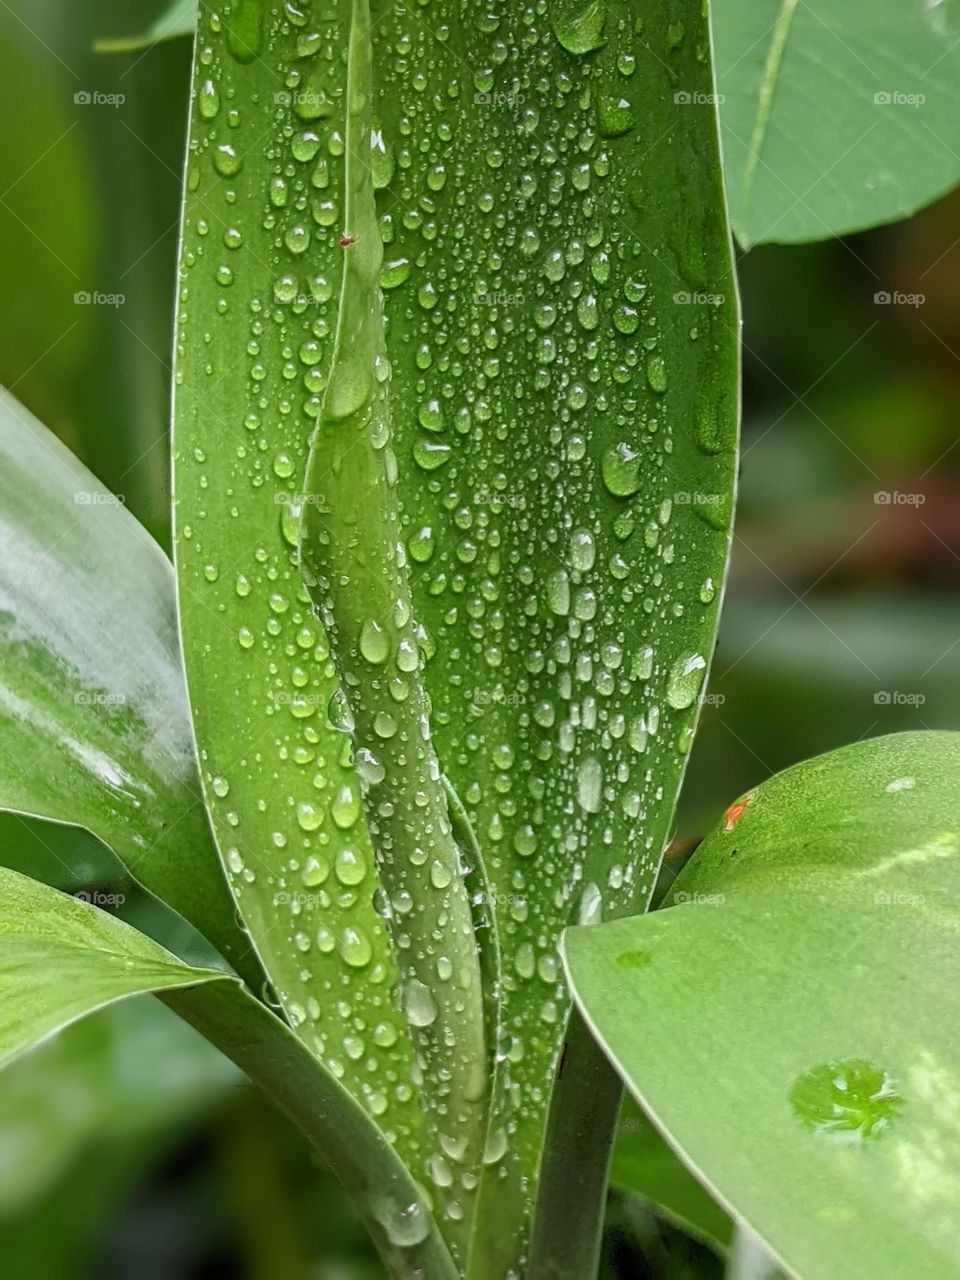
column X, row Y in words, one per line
column 737, row 810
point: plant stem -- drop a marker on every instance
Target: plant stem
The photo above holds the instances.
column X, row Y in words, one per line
column 572, row 1189
column 343, row 1135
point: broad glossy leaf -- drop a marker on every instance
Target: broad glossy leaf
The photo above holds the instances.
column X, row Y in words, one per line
column 560, row 321
column 834, row 117
column 645, row 1165
column 93, row 718
column 790, row 1023
column 61, row 959
column 179, row 18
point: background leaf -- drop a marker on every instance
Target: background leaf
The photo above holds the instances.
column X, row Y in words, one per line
column 130, row 1071
column 179, row 18
column 802, row 1056
column 93, row 718
column 835, row 119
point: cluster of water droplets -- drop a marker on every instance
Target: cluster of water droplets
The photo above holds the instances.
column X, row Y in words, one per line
column 538, row 406
column 536, row 463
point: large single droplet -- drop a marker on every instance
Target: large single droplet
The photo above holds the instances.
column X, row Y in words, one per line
column 620, row 468
column 374, row 642
column 684, row 681
column 850, row 1100
column 579, row 26
column 419, row 1004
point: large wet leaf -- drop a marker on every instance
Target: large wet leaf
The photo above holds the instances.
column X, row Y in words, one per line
column 62, row 959
column 790, row 1023
column 93, row 718
column 551, row 445
column 834, row 120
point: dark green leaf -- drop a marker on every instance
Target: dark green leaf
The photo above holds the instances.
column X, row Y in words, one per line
column 789, row 1023
column 179, row 18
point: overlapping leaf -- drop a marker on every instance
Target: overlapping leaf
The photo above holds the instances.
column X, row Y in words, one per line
column 93, row 718
column 561, row 331
column 812, row 948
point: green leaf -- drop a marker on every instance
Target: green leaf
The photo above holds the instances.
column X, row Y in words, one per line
column 552, row 379
column 179, row 18
column 93, row 717
column 61, row 959
column 644, row 1164
column 835, row 119
column 127, row 1072
column 789, row 1024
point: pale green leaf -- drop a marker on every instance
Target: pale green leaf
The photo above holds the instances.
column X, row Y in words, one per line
column 93, row 719
column 62, row 959
column 789, row 1023
column 835, row 117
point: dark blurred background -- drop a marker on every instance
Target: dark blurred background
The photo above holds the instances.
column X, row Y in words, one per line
column 128, row 1148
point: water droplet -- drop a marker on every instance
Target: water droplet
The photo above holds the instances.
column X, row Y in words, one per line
column 419, row 1004
column 684, row 681
column 620, row 468
column 578, row 25
column 850, row 1100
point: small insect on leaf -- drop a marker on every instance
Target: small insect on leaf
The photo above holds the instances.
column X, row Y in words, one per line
column 736, row 811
